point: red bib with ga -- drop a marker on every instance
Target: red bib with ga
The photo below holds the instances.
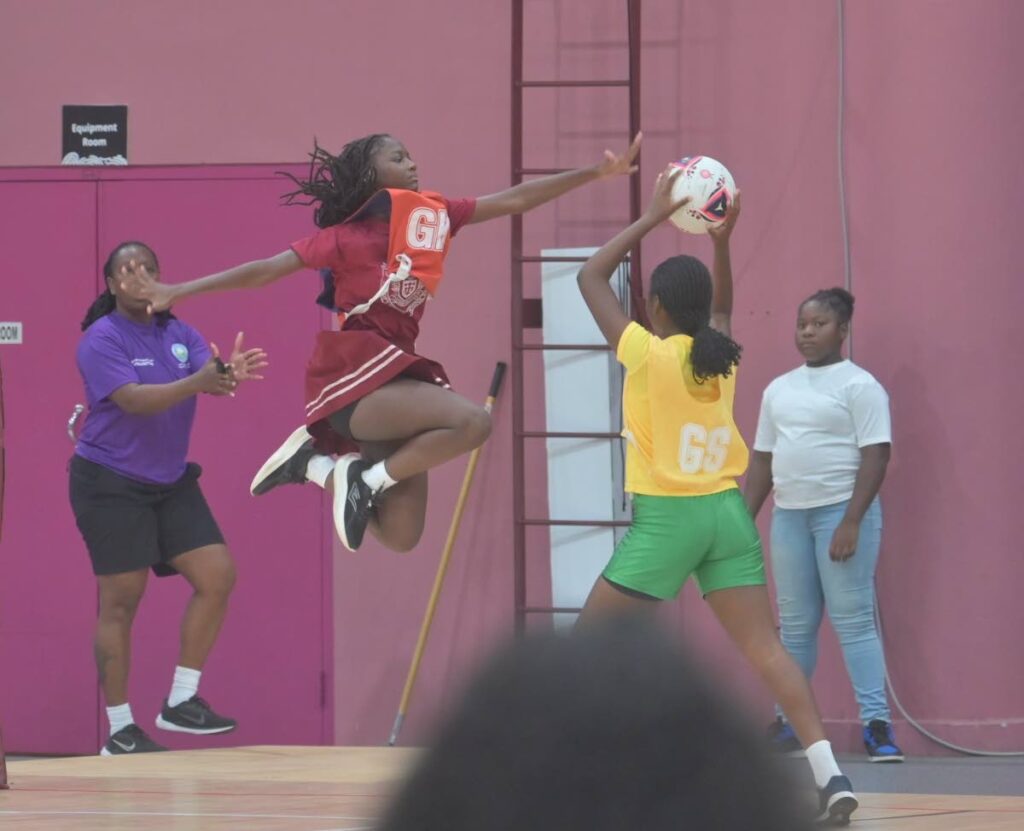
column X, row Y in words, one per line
column 418, row 228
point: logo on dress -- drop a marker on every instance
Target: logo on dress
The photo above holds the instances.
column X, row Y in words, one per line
column 406, row 296
column 180, row 352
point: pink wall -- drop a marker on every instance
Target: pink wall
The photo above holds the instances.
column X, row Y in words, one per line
column 60, row 224
column 233, row 81
column 929, row 94
column 929, row 89
column 47, row 595
column 756, row 86
column 940, row 294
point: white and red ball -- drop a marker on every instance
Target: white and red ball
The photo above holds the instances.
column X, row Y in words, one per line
column 711, row 188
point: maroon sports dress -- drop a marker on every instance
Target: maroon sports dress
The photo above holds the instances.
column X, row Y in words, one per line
column 378, row 345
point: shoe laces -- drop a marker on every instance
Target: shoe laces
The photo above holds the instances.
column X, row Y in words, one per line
column 365, row 507
column 878, row 730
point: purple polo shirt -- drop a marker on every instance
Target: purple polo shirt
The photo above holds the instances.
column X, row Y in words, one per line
column 115, row 351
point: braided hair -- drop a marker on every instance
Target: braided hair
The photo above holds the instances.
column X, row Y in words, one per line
column 836, row 300
column 683, row 286
column 106, row 302
column 338, row 185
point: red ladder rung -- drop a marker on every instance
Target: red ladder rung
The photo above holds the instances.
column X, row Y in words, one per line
column 572, row 347
column 549, row 610
column 541, row 171
column 542, row 434
column 584, row 84
column 523, row 258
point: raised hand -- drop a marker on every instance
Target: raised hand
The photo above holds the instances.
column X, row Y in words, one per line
column 244, row 363
column 662, row 204
column 214, row 378
column 722, row 231
column 138, row 283
column 613, row 165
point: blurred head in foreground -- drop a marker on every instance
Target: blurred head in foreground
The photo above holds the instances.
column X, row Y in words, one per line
column 613, row 727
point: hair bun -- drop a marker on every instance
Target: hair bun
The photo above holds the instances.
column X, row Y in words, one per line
column 843, row 296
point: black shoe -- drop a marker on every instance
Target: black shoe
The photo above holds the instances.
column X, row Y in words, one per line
column 783, row 740
column 353, row 500
column 881, row 743
column 287, row 465
column 193, row 716
column 130, row 739
column 836, row 802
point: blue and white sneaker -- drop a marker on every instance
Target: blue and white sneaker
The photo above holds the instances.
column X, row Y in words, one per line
column 881, row 742
column 836, row 802
column 783, row 740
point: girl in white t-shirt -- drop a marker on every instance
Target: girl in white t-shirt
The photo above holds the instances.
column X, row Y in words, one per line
column 823, row 442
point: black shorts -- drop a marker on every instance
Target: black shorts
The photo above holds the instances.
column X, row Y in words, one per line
column 341, row 420
column 129, row 525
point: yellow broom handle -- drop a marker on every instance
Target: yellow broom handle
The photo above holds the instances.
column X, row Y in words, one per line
column 435, row 592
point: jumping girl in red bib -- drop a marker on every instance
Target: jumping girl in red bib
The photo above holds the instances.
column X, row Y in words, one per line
column 388, row 414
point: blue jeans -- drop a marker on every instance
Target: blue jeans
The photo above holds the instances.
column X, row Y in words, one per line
column 808, row 581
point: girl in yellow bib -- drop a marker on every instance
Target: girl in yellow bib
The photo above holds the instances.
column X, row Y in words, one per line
column 682, row 459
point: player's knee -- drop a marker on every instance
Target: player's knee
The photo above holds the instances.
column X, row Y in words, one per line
column 119, row 608
column 225, row 577
column 761, row 649
column 475, row 427
column 768, row 656
column 218, row 577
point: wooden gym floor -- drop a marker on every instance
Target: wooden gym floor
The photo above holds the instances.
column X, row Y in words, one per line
column 326, row 789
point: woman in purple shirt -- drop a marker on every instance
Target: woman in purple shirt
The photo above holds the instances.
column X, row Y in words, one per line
column 137, row 501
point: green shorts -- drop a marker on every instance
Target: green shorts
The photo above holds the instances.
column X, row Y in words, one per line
column 672, row 537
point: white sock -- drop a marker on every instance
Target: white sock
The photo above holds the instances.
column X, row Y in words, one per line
column 120, row 717
column 185, row 685
column 823, row 763
column 319, row 469
column 378, row 478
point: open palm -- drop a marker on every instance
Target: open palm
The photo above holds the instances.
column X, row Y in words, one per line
column 613, row 165
column 136, row 280
column 245, row 363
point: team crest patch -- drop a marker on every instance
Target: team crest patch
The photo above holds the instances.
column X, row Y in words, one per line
column 180, row 353
column 406, row 296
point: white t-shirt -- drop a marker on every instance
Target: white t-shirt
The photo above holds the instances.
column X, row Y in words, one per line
column 813, row 421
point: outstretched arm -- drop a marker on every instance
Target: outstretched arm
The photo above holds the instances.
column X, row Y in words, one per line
column 527, row 195
column 594, row 277
column 136, row 280
column 245, row 364
column 721, row 270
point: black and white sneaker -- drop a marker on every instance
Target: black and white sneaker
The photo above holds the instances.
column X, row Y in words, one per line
column 353, row 500
column 287, row 465
column 130, row 739
column 836, row 802
column 193, row 716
